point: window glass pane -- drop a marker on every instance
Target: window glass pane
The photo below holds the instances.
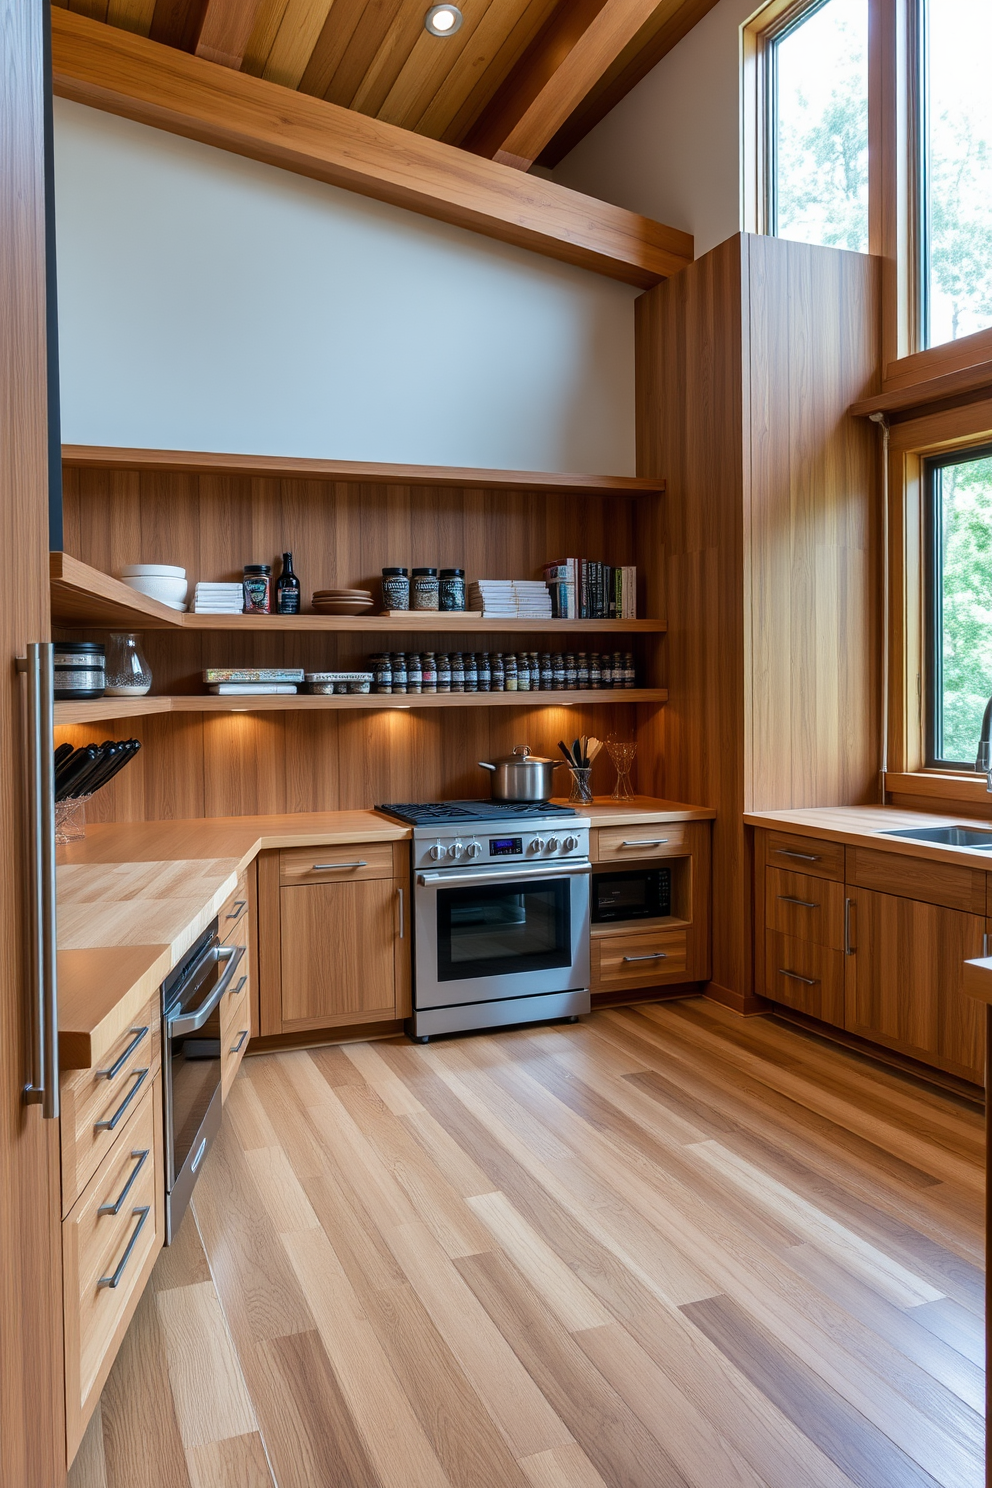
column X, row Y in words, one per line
column 958, row 114
column 961, row 659
column 821, row 128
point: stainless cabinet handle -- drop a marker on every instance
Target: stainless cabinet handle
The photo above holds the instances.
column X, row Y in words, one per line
column 43, row 1087
column 112, row 1122
column 402, row 914
column 326, row 867
column 122, row 1059
column 803, row 903
column 122, row 1196
column 787, row 852
column 236, row 1048
column 115, row 1280
column 645, row 842
column 191, row 1022
column 795, row 977
column 848, row 948
column 237, row 909
column 654, row 956
column 237, row 989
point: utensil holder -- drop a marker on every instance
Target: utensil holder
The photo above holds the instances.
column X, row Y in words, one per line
column 581, row 783
column 70, row 820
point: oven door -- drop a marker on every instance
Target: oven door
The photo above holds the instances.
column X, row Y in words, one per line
column 191, row 1056
column 502, row 932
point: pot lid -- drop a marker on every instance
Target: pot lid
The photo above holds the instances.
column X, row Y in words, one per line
column 522, row 756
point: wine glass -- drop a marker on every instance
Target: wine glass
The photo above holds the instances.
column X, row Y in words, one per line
column 622, row 752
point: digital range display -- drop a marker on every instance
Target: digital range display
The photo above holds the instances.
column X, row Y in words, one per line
column 505, row 847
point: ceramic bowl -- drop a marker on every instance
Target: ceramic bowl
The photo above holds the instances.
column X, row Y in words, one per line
column 152, row 571
column 171, row 591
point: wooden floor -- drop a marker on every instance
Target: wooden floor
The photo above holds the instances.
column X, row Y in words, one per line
column 661, row 1248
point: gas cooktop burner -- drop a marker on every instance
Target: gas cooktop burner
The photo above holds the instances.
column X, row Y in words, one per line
column 426, row 814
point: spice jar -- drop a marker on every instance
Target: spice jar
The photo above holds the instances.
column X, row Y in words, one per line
column 510, row 668
column 485, row 672
column 523, row 672
column 425, row 590
column 382, row 672
column 498, row 670
column 257, row 584
column 558, row 671
column 399, row 671
column 452, row 588
column 430, row 672
column 571, row 672
column 414, row 672
column 443, row 672
column 547, row 674
column 471, row 672
column 457, row 672
column 395, row 589
column 606, row 670
column 595, row 672
column 582, row 672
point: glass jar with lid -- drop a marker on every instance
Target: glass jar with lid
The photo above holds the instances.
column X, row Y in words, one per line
column 425, row 589
column 452, row 589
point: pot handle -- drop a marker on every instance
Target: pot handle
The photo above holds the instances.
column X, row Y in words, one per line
column 483, row 765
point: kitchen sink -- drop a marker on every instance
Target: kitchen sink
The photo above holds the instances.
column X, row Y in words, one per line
column 974, row 837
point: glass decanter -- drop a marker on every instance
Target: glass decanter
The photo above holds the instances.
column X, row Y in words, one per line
column 128, row 673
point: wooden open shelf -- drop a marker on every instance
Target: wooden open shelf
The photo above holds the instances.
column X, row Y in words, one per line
column 84, row 596
column 187, row 462
column 195, row 702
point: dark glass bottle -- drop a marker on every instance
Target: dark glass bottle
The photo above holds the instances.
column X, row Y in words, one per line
column 287, row 588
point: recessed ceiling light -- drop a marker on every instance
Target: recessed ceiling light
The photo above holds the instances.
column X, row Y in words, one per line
column 443, row 20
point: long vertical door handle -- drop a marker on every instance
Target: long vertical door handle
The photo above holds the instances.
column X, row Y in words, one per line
column 402, row 914
column 44, row 1084
column 848, row 947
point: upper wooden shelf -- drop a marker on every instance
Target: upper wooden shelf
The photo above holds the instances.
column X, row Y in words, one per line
column 207, row 702
column 85, row 596
column 187, row 462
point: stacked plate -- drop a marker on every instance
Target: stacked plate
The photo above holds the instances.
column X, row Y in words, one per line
column 162, row 581
column 342, row 601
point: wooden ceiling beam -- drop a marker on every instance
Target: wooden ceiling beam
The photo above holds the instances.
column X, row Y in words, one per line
column 124, row 74
column 227, row 25
column 655, row 40
column 580, row 43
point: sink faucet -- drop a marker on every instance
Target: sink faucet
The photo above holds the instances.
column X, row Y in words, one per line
column 983, row 760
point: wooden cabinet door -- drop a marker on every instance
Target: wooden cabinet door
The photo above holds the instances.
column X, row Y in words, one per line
column 338, row 948
column 904, row 981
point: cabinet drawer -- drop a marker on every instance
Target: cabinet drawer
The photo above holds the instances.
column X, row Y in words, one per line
column 299, row 865
column 946, row 884
column 109, row 1243
column 97, row 1102
column 807, row 977
column 235, row 1031
column 232, row 919
column 805, row 908
column 805, row 854
column 619, row 844
column 638, row 959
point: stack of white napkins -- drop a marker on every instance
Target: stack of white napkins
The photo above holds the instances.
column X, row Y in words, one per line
column 512, row 598
column 219, row 599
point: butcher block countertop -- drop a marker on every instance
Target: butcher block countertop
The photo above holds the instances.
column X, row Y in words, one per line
column 134, row 896
column 866, row 826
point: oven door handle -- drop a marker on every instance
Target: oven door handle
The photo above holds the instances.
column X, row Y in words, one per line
column 506, row 875
column 179, row 1027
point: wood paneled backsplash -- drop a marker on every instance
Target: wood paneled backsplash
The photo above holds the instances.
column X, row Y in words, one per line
column 343, row 534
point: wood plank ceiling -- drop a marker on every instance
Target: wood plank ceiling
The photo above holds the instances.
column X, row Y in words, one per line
column 521, row 80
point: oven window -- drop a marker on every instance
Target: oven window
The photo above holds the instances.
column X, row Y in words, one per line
column 496, row 930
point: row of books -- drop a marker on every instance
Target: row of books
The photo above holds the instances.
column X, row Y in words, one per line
column 585, row 589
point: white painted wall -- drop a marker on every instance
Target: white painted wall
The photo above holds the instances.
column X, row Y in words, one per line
column 671, row 148
column 208, row 302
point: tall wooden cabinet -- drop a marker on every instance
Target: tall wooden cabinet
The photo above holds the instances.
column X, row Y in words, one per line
column 747, row 362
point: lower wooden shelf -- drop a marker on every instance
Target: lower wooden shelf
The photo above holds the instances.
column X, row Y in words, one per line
column 195, row 702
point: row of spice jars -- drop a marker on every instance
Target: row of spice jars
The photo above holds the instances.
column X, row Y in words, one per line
column 521, row 671
column 424, row 589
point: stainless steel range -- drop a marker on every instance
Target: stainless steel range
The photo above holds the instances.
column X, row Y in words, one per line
column 501, row 914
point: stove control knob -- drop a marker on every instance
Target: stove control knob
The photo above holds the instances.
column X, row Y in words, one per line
column 570, row 844
column 474, row 850
column 552, row 844
column 456, row 849
column 537, row 844
column 437, row 852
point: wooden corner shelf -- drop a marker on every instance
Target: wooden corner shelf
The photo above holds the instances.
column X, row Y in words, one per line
column 82, row 595
column 189, row 462
column 115, row 707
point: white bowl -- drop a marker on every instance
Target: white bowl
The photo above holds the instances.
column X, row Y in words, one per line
column 152, row 571
column 167, row 591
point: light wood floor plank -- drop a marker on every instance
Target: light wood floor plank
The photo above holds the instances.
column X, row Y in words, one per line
column 236, row 1462
column 207, row 1386
column 561, row 1467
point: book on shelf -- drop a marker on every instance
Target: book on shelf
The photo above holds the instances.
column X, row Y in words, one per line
column 587, row 589
column 253, row 689
column 252, row 674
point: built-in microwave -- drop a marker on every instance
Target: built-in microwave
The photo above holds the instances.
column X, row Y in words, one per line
column 635, row 894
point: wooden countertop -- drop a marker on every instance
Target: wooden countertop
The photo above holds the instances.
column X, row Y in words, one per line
column 866, row 826
column 134, row 896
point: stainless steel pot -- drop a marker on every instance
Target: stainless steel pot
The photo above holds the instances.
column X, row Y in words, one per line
column 521, row 776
